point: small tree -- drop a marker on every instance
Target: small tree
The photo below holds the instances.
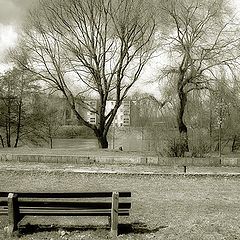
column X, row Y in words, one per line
column 15, row 96
column 225, row 99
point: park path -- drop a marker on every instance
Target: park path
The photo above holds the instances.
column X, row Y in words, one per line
column 118, row 169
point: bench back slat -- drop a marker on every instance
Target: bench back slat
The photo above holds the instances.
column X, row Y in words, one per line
column 67, row 195
column 87, row 205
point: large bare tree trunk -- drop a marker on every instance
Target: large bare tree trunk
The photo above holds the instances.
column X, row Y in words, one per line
column 181, row 125
column 8, row 124
column 18, row 123
column 220, row 140
column 234, row 147
column 2, row 141
column 102, row 138
column 211, row 124
column 102, row 142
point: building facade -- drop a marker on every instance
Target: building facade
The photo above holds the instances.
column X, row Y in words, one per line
column 89, row 113
column 123, row 116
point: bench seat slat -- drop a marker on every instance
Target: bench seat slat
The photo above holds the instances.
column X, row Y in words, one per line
column 67, row 195
column 66, row 212
column 62, row 208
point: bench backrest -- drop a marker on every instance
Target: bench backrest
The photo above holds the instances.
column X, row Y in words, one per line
column 83, row 203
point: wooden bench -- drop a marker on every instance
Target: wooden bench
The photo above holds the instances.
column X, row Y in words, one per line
column 18, row 204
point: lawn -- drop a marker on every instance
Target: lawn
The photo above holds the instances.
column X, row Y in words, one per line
column 66, row 148
column 164, row 207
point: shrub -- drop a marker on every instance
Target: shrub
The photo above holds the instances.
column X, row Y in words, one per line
column 73, row 131
column 199, row 143
column 175, row 147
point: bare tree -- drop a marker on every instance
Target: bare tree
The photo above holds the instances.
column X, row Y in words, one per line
column 202, row 38
column 15, row 95
column 94, row 47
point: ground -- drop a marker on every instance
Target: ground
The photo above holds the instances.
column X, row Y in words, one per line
column 74, row 150
column 172, row 206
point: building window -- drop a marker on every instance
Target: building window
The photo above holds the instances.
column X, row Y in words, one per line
column 126, row 112
column 92, row 120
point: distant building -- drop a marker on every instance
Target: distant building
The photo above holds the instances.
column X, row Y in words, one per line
column 87, row 110
column 123, row 116
column 89, row 113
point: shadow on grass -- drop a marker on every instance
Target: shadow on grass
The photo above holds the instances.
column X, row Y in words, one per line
column 137, row 228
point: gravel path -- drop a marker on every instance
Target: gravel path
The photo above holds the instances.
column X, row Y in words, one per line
column 120, row 169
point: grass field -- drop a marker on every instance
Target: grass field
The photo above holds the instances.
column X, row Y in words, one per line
column 73, row 150
column 177, row 207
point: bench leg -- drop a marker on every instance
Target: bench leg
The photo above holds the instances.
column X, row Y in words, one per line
column 114, row 215
column 13, row 214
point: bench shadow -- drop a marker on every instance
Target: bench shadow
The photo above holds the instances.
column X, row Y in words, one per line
column 137, row 228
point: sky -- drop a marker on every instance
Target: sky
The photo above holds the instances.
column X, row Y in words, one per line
column 12, row 14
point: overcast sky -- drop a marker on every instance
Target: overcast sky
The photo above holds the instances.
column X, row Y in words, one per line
column 13, row 11
column 12, row 14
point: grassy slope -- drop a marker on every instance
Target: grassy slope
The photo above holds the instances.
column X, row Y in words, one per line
column 73, row 151
column 179, row 207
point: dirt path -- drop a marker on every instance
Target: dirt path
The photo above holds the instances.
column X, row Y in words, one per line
column 120, row 169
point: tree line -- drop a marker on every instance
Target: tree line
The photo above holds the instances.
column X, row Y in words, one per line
column 26, row 113
column 101, row 48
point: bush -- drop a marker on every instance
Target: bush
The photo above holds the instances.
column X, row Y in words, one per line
column 199, row 143
column 175, row 147
column 73, row 131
